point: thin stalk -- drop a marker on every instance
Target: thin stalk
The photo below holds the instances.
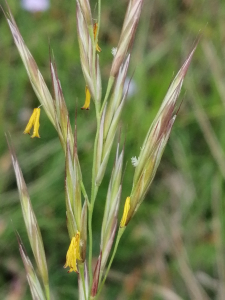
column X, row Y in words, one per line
column 47, row 291
column 109, row 87
column 84, row 191
column 94, row 191
column 119, row 235
column 90, row 212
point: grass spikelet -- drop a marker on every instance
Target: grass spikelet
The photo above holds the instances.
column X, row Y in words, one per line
column 35, row 286
column 127, row 34
column 110, row 217
column 156, row 140
column 31, row 223
column 36, row 79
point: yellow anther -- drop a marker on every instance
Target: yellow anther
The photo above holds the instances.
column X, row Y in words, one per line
column 125, row 212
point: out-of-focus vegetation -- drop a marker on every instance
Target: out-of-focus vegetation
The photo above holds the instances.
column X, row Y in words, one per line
column 175, row 243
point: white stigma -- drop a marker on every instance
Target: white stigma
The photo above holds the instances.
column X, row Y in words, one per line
column 113, row 51
column 134, row 161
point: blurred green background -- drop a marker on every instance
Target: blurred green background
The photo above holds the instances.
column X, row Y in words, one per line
column 174, row 246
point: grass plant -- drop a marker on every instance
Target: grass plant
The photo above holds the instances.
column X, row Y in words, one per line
column 80, row 201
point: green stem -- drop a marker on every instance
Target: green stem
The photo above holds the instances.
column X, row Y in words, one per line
column 91, row 207
column 109, row 87
column 90, row 211
column 119, row 235
column 84, row 191
column 94, row 191
column 47, row 291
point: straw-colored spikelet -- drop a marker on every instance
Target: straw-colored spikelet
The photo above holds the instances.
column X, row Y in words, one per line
column 36, row 79
column 61, row 113
column 156, row 140
column 88, row 57
column 109, row 122
column 109, row 223
column 35, row 286
column 86, row 11
column 55, row 108
column 127, row 34
column 76, row 215
column 72, row 185
column 116, row 101
column 30, row 220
